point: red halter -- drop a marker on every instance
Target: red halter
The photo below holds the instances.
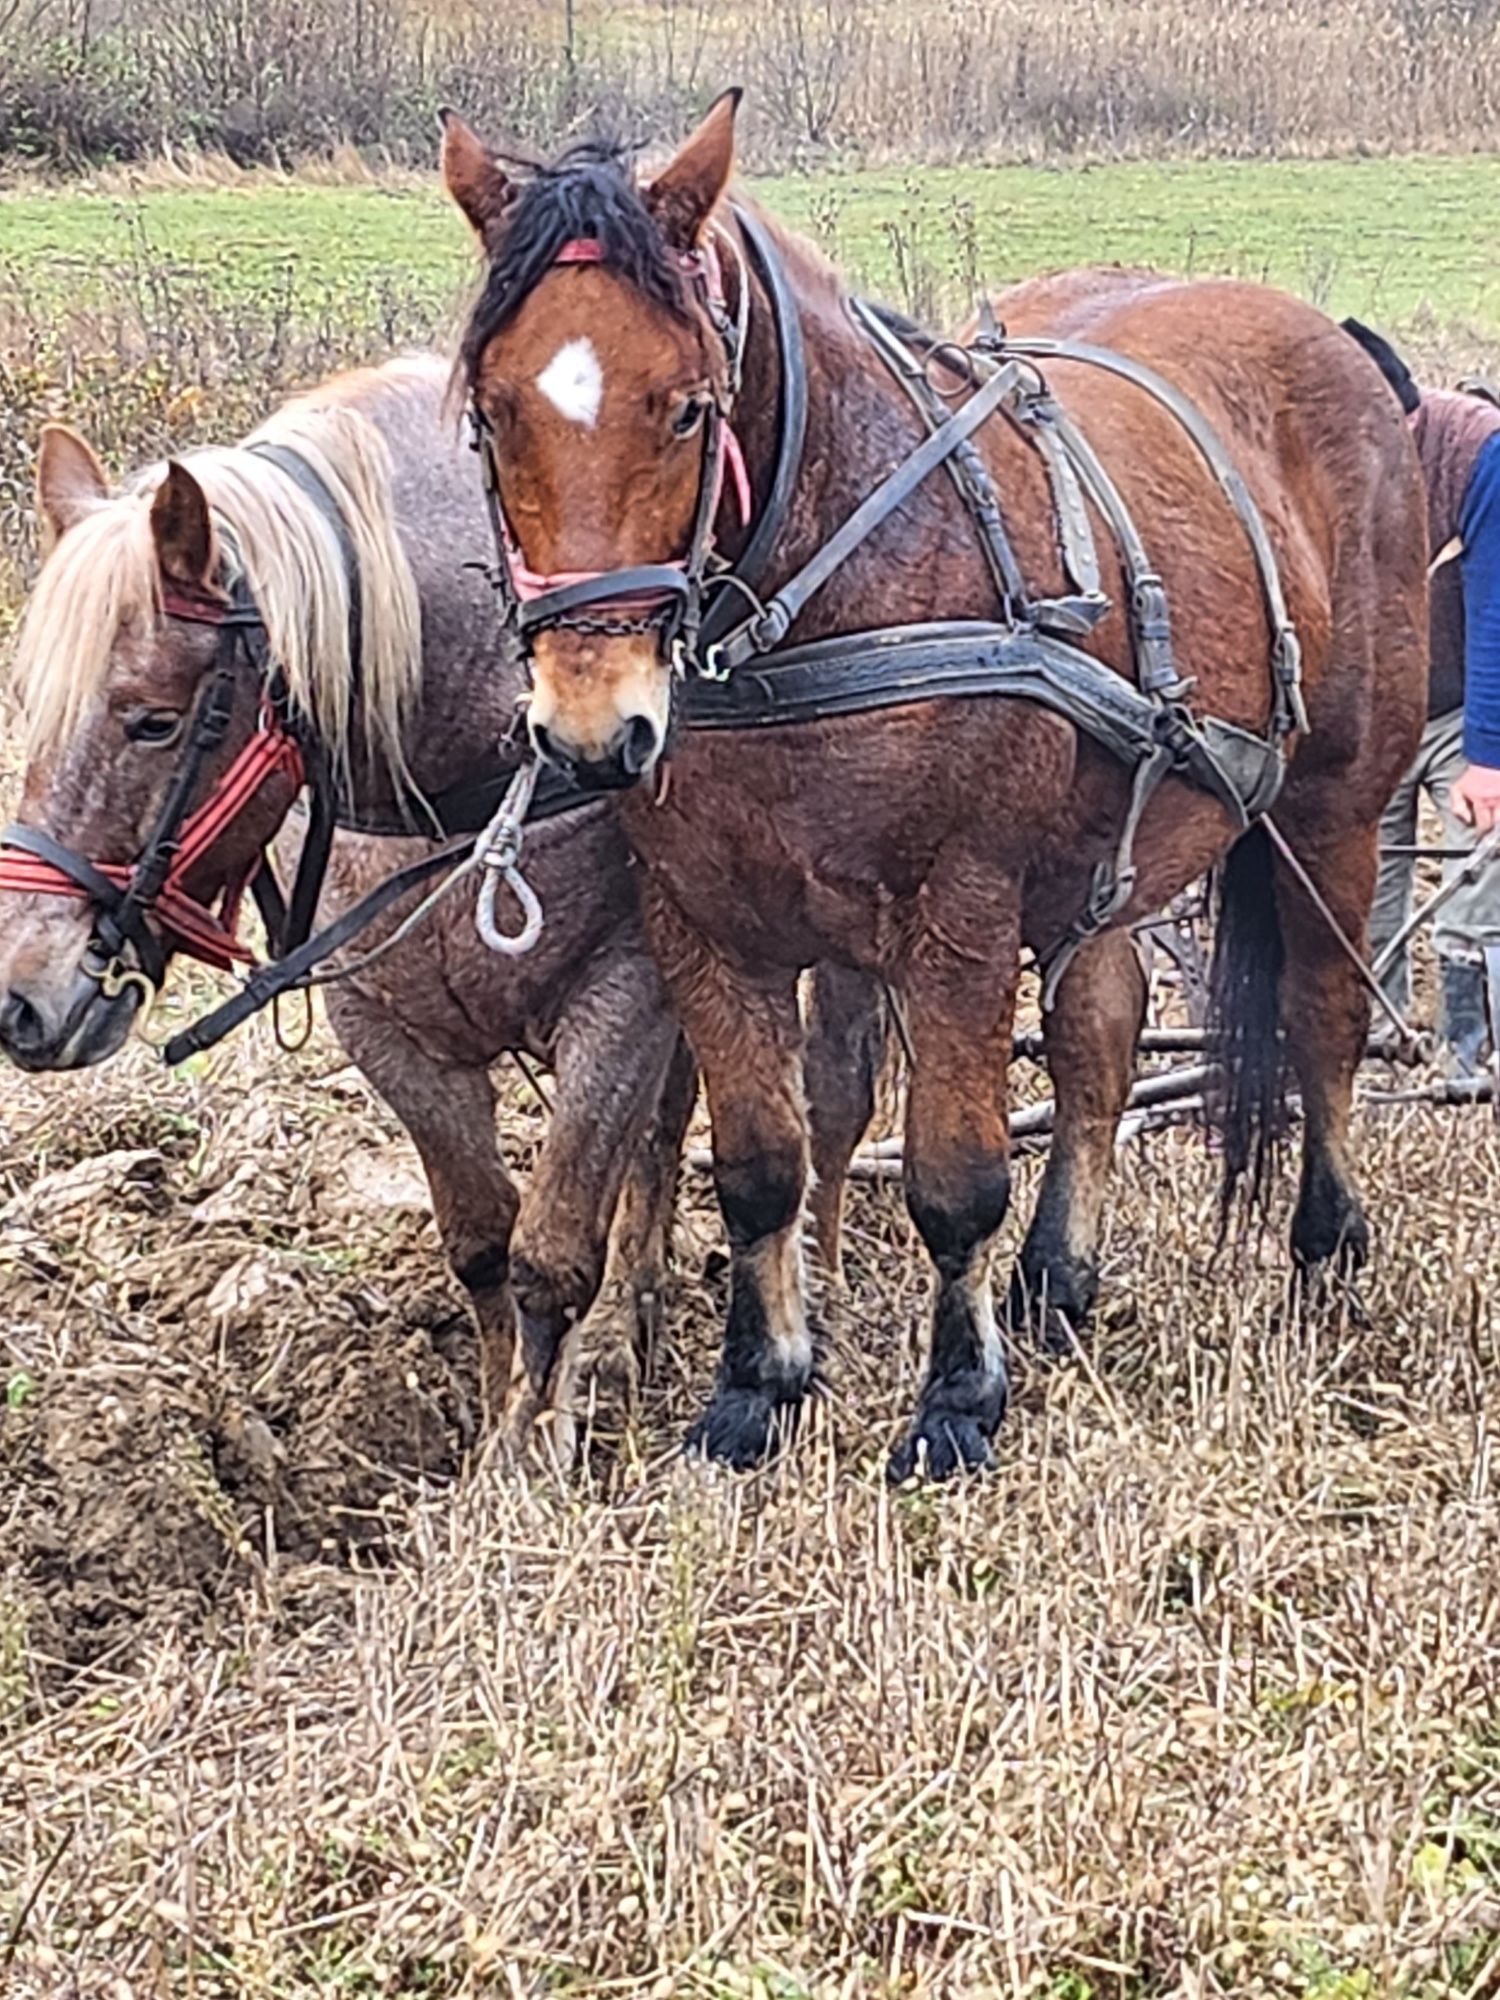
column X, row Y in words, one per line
column 192, row 926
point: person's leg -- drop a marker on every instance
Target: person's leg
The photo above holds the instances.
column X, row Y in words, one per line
column 1393, row 886
column 1469, row 921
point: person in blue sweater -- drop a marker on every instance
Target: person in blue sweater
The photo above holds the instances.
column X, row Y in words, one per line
column 1457, row 435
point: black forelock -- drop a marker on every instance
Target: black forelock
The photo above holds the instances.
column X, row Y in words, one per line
column 589, row 191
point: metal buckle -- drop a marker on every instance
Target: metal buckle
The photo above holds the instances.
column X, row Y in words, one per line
column 711, row 667
column 114, row 978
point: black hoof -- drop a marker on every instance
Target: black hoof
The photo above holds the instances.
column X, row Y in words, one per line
column 741, row 1428
column 1332, row 1237
column 1052, row 1305
column 940, row 1444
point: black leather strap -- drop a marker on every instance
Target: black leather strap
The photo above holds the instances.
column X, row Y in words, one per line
column 562, row 605
column 283, row 975
column 310, row 482
column 759, row 635
column 31, row 840
column 791, row 430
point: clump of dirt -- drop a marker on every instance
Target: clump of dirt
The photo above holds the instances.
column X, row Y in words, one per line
column 227, row 1363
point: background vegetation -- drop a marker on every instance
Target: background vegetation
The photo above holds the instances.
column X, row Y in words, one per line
column 92, row 80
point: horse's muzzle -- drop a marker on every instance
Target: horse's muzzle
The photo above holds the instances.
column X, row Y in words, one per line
column 633, row 752
column 88, row 1028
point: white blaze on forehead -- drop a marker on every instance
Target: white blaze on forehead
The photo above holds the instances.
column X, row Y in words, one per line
column 573, row 382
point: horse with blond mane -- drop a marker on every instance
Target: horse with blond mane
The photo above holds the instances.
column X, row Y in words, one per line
column 631, row 361
column 332, row 542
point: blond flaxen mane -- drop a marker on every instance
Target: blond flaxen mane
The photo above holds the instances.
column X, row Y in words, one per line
column 102, row 578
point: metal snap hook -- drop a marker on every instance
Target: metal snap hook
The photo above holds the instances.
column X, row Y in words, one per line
column 114, row 977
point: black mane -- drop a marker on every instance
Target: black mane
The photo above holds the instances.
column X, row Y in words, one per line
column 588, row 191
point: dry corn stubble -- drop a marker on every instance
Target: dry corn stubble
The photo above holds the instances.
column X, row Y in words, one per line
column 1195, row 1695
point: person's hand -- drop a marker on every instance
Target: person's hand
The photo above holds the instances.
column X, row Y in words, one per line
column 1475, row 798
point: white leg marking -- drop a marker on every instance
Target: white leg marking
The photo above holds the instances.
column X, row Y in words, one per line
column 573, row 383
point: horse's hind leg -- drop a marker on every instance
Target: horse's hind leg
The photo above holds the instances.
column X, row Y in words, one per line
column 623, row 1325
column 1325, row 1012
column 450, row 1114
column 613, row 1047
column 1091, row 1036
column 846, row 1040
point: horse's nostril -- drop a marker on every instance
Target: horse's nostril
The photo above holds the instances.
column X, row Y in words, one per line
column 640, row 744
column 21, row 1025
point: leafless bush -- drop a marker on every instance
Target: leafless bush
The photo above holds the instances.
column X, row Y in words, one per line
column 270, row 79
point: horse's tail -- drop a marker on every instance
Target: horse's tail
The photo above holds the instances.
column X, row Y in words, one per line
column 1249, row 953
column 1387, row 360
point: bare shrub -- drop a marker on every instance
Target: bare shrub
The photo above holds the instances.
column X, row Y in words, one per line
column 274, row 79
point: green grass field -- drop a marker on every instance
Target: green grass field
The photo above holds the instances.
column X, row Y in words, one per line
column 1411, row 242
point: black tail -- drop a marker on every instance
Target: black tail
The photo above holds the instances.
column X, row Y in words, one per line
column 1248, row 957
column 1387, row 360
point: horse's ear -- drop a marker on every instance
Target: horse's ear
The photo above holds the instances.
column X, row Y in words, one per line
column 475, row 179
column 183, row 530
column 686, row 191
column 70, row 481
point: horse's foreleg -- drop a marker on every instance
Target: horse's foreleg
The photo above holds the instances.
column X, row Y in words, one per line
column 959, row 986
column 846, row 1040
column 1091, row 1036
column 450, row 1114
column 614, row 1044
column 1325, row 1012
column 747, row 1036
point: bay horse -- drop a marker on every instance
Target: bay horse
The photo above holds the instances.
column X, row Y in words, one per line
column 626, row 363
column 355, row 498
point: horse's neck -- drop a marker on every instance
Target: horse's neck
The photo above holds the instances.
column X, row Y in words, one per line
column 926, row 561
column 469, row 688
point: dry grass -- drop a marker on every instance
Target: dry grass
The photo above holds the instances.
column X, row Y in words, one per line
column 1195, row 1696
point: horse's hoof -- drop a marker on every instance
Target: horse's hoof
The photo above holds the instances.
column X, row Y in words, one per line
column 1052, row 1307
column 939, row 1445
column 741, row 1428
column 1330, row 1228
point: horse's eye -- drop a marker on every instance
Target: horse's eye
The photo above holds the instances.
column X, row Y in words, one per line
column 689, row 416
column 154, row 727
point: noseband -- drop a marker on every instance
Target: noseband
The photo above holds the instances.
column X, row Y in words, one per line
column 666, row 596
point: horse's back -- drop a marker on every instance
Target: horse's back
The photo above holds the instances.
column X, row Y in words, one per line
column 1309, row 424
